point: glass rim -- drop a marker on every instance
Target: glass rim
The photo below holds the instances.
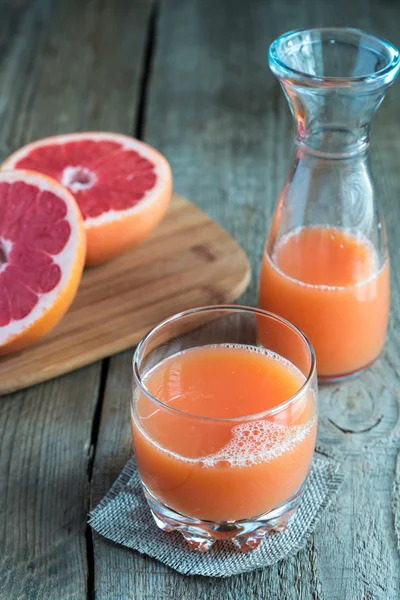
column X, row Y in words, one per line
column 228, row 308
column 377, row 77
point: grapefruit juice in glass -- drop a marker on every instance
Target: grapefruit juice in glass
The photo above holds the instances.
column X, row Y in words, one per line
column 223, row 427
column 325, row 266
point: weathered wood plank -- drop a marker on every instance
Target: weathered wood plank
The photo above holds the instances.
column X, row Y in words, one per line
column 45, row 452
column 223, row 122
column 64, row 66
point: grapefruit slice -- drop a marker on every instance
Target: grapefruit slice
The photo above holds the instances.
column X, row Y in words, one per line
column 123, row 186
column 42, row 255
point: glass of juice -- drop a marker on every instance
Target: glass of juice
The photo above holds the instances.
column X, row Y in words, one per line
column 224, row 421
column 325, row 266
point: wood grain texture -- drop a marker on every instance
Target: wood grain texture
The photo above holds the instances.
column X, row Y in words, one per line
column 57, row 74
column 45, row 452
column 220, row 117
column 188, row 261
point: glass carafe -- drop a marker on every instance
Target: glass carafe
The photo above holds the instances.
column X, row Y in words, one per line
column 325, row 266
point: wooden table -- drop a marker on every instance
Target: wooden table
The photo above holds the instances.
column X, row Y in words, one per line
column 191, row 78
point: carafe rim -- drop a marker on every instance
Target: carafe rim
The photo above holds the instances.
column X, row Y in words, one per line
column 344, row 35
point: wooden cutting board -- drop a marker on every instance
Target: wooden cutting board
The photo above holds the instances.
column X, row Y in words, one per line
column 188, row 261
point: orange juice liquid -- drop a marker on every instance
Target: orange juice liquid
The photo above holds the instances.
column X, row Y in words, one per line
column 328, row 283
column 224, row 470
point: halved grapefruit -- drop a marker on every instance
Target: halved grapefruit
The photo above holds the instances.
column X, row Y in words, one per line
column 42, row 255
column 123, row 186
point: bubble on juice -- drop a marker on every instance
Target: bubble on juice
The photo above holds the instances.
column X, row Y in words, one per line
column 259, row 442
column 267, row 353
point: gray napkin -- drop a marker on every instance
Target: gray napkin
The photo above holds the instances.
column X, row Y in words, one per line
column 124, row 517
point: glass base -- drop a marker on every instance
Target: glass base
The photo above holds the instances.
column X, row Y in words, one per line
column 245, row 534
column 328, row 379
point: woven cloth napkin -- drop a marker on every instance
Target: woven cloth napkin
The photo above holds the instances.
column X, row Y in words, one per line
column 124, row 517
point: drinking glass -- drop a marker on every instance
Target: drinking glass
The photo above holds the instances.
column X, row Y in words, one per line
column 224, row 420
column 326, row 264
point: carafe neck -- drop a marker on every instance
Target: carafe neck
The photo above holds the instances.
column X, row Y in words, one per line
column 331, row 122
column 335, row 79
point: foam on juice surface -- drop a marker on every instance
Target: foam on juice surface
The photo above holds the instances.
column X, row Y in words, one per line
column 259, row 442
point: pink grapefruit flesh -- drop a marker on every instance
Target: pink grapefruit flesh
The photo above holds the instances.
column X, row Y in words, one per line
column 122, row 186
column 42, row 254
